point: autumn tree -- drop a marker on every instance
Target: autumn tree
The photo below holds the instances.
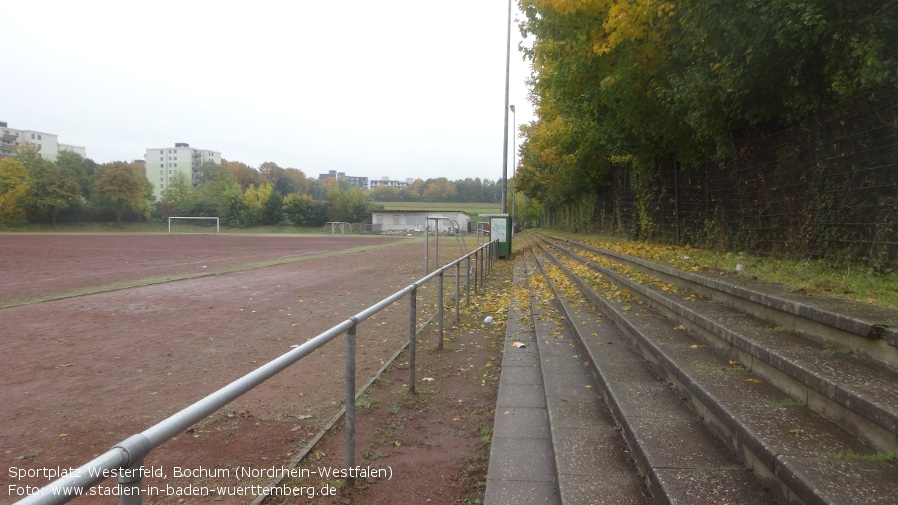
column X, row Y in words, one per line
column 439, row 190
column 123, row 187
column 281, row 180
column 384, row 193
column 14, row 185
column 299, row 181
column 632, row 83
column 53, row 189
column 245, row 174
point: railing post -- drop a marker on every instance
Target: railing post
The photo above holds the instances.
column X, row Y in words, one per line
column 426, row 254
column 468, row 282
column 129, row 484
column 440, row 303
column 129, row 478
column 482, row 263
column 457, row 269
column 350, row 400
column 412, row 337
column 476, row 271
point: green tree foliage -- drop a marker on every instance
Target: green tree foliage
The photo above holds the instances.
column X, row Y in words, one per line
column 298, row 208
column 298, row 181
column 220, row 193
column 273, row 210
column 179, row 196
column 348, row 205
column 638, row 82
column 82, row 167
column 14, row 185
column 53, row 189
column 123, row 187
column 317, row 190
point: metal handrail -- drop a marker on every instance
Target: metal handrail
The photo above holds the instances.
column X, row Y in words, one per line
column 125, row 460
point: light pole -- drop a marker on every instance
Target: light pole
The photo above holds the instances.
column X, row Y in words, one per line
column 505, row 140
column 514, row 163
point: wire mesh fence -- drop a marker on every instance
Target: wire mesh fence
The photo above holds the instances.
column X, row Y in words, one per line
column 825, row 188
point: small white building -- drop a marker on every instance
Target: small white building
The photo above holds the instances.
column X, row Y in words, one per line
column 415, row 221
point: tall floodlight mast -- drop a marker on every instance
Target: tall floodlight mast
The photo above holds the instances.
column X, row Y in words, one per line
column 505, row 137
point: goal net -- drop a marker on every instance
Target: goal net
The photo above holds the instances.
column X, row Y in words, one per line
column 188, row 224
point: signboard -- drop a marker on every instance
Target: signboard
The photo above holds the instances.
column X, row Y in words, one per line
column 499, row 228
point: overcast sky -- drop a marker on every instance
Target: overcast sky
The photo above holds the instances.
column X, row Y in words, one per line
column 396, row 88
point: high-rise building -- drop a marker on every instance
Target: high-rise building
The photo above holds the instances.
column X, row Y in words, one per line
column 354, row 181
column 47, row 144
column 162, row 163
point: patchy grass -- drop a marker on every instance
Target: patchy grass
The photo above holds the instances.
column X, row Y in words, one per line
column 808, row 276
column 851, row 456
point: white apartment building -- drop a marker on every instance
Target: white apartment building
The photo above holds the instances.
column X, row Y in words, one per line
column 47, row 144
column 386, row 181
column 162, row 163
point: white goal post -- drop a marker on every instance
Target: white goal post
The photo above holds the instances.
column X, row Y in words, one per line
column 343, row 225
column 217, row 225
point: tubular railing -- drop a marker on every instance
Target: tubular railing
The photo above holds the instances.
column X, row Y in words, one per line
column 124, row 461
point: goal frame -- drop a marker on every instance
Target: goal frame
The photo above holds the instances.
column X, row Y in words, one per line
column 217, row 222
column 334, row 224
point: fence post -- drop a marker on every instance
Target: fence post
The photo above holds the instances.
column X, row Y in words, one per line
column 483, row 263
column 350, row 400
column 129, row 484
column 457, row 269
column 412, row 337
column 440, row 303
column 476, row 270
column 468, row 282
column 129, row 478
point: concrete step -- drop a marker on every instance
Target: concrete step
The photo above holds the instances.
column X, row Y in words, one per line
column 855, row 392
column 522, row 464
column 802, row 456
column 679, row 460
column 592, row 460
column 868, row 330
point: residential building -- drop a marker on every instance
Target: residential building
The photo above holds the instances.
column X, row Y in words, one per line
column 354, row 181
column 47, row 144
column 163, row 163
column 75, row 149
column 386, row 181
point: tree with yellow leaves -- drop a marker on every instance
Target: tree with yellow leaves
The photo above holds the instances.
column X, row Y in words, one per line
column 14, row 184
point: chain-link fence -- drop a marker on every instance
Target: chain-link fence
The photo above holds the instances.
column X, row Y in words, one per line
column 824, row 188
